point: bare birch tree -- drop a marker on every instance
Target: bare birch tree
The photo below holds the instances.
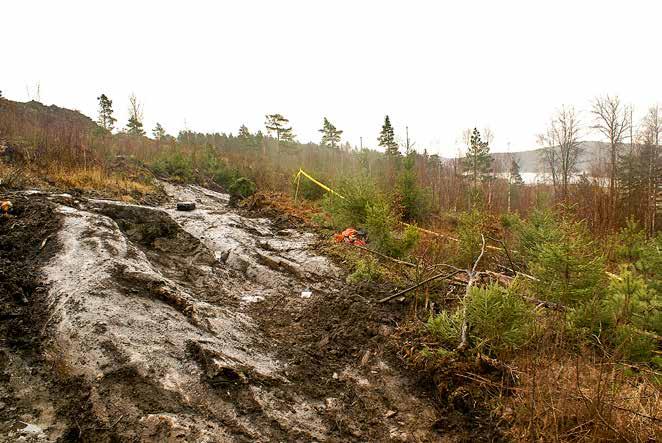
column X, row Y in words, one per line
column 612, row 120
column 650, row 135
column 562, row 148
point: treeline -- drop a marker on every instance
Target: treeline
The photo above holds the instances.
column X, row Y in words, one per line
column 424, row 186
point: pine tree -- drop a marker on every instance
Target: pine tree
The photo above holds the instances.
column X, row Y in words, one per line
column 244, row 133
column 158, row 132
column 277, row 124
column 413, row 200
column 387, row 139
column 515, row 176
column 135, row 127
column 135, row 124
column 330, row 135
column 106, row 119
column 248, row 140
column 568, row 265
column 478, row 161
column 514, row 182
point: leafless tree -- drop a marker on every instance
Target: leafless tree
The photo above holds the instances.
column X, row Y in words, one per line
column 135, row 108
column 488, row 135
column 612, row 120
column 562, row 148
column 649, row 137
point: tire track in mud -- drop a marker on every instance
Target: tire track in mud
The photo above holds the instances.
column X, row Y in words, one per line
column 189, row 326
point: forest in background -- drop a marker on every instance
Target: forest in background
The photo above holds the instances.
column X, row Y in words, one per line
column 623, row 183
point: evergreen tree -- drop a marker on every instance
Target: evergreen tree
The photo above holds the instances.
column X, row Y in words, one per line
column 478, row 161
column 515, row 176
column 277, row 124
column 413, row 200
column 106, row 119
column 244, row 133
column 387, row 139
column 248, row 140
column 135, row 124
column 568, row 265
column 330, row 135
column 135, row 127
column 158, row 132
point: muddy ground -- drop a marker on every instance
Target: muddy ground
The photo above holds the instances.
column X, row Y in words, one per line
column 137, row 323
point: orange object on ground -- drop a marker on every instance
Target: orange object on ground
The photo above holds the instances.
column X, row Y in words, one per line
column 351, row 236
column 6, row 207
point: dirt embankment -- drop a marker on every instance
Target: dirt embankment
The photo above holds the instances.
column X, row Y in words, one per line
column 137, row 323
column 28, row 239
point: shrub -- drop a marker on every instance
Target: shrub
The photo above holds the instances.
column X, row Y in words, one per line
column 649, row 263
column 469, row 234
column 307, row 189
column 631, row 301
column 631, row 344
column 365, row 271
column 242, row 188
column 351, row 210
column 363, row 206
column 175, row 165
column 381, row 226
column 624, row 321
column 498, row 319
column 446, row 327
column 11, row 177
column 568, row 266
column 223, row 175
column 414, row 200
column 510, row 220
column 631, row 242
column 540, row 228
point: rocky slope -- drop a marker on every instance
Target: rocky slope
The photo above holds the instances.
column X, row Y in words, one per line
column 149, row 324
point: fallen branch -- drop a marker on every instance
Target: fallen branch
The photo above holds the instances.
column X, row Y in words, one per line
column 547, row 304
column 464, row 343
column 395, row 260
column 437, row 234
column 404, row 291
column 505, row 249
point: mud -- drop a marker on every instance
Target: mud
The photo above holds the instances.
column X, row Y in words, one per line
column 28, row 239
column 151, row 324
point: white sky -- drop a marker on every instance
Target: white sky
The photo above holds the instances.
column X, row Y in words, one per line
column 438, row 66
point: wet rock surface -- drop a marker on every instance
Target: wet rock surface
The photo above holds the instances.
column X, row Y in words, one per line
column 153, row 324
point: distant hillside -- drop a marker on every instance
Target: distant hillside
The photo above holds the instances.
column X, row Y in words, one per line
column 24, row 119
column 530, row 161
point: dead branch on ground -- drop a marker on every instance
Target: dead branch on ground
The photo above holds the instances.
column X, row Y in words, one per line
column 464, row 343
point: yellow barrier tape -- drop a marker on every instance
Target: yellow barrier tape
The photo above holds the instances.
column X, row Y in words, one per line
column 318, row 183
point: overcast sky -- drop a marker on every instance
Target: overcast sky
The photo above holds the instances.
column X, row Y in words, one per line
column 437, row 67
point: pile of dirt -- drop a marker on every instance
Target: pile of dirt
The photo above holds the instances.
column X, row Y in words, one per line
column 27, row 240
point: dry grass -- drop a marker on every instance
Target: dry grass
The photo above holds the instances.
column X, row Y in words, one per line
column 580, row 398
column 283, row 203
column 12, row 177
column 97, row 179
column 92, row 179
